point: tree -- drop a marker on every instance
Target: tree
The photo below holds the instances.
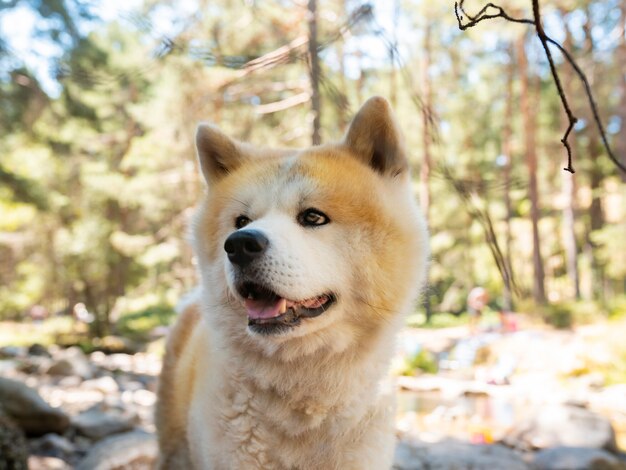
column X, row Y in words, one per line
column 314, row 66
column 528, row 92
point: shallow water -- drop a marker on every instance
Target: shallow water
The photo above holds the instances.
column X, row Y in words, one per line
column 474, row 418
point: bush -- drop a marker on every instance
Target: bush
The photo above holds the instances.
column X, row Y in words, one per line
column 138, row 325
column 559, row 316
column 568, row 314
column 423, row 361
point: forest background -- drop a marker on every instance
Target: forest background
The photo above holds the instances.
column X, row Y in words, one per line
column 98, row 174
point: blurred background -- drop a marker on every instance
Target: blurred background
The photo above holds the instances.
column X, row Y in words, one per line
column 525, row 309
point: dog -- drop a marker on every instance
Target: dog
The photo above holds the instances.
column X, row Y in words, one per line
column 309, row 260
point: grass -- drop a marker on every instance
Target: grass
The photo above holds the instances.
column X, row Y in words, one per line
column 25, row 334
column 136, row 326
column 448, row 320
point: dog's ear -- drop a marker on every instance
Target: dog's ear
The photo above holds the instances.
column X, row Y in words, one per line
column 375, row 138
column 218, row 153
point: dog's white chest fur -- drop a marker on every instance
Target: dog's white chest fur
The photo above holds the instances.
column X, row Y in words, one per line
column 235, row 422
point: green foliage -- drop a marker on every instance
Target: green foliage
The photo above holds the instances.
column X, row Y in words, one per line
column 96, row 181
column 422, row 361
column 47, row 332
column 617, row 308
column 140, row 324
column 566, row 315
column 439, row 320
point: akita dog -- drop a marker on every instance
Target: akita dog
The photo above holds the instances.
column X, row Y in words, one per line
column 309, row 260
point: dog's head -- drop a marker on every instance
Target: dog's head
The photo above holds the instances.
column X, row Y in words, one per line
column 314, row 247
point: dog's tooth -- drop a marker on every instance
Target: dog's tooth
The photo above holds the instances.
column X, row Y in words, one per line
column 283, row 306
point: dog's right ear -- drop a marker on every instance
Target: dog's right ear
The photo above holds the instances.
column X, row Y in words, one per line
column 218, row 153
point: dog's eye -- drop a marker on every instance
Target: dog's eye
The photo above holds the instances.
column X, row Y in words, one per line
column 310, row 217
column 241, row 221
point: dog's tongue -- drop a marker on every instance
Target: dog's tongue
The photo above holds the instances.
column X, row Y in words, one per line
column 262, row 309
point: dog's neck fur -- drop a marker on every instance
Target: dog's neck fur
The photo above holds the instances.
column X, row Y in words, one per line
column 324, row 384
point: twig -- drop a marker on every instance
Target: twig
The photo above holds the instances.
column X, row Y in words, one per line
column 484, row 14
column 557, row 81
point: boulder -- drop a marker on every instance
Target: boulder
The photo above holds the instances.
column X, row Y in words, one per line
column 105, row 384
column 451, row 454
column 38, row 350
column 562, row 425
column 13, row 448
column 52, row 445
column 137, row 450
column 12, row 352
column 71, row 362
column 576, row 458
column 29, row 411
column 101, row 421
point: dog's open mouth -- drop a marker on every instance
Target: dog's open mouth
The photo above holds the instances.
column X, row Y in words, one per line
column 270, row 313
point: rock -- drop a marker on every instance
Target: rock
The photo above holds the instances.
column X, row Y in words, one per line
column 38, row 350
column 34, row 364
column 52, row 445
column 612, row 398
column 101, row 421
column 11, row 352
column 117, row 344
column 8, row 366
column 137, row 450
column 29, row 411
column 144, row 397
column 71, row 361
column 562, row 425
column 13, row 448
column 106, row 385
column 455, row 455
column 37, row 462
column 576, row 458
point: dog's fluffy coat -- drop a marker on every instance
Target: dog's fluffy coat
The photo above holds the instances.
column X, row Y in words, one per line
column 315, row 396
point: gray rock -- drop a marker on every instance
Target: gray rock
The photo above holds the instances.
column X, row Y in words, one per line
column 562, row 425
column 576, row 458
column 52, row 445
column 137, row 450
column 38, row 350
column 11, row 352
column 101, row 421
column 34, row 364
column 29, row 411
column 71, row 361
column 455, row 455
column 105, row 384
column 13, row 448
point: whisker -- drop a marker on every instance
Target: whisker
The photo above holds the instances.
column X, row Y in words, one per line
column 230, row 198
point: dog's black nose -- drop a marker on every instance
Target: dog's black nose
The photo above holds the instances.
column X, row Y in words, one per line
column 244, row 246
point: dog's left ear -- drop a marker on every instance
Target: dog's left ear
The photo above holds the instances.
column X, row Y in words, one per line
column 374, row 138
column 218, row 153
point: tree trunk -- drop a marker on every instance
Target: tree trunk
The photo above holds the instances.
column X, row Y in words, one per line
column 529, row 112
column 426, row 142
column 314, row 71
column 507, row 151
column 594, row 150
column 343, row 86
column 569, row 187
column 393, row 50
column 620, row 138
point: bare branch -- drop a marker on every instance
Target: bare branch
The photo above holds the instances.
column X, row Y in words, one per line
column 499, row 12
column 282, row 105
